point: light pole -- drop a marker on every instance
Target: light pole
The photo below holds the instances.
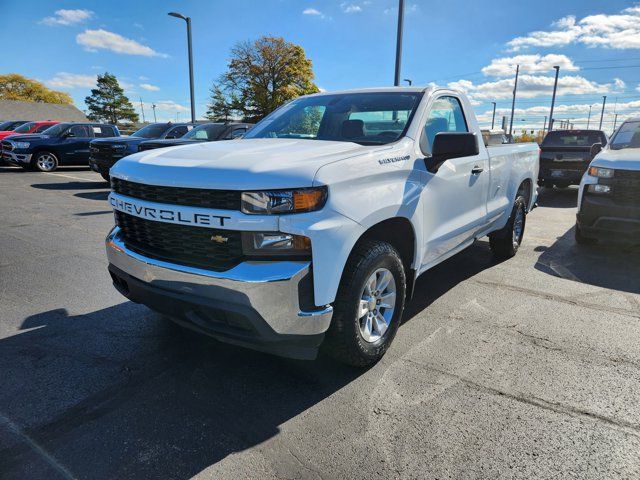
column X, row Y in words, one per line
column 553, row 98
column 396, row 81
column 589, row 117
column 493, row 117
column 544, row 126
column 153, row 106
column 408, row 80
column 604, row 102
column 193, row 101
column 513, row 102
column 615, row 122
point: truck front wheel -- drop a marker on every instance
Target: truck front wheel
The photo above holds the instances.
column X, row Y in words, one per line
column 505, row 242
column 45, row 162
column 369, row 305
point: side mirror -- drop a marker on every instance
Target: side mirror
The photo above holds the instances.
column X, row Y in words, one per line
column 451, row 145
column 596, row 148
column 238, row 134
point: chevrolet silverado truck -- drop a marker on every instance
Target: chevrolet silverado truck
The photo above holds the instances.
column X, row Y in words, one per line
column 609, row 195
column 61, row 144
column 311, row 231
column 565, row 156
column 207, row 132
column 105, row 152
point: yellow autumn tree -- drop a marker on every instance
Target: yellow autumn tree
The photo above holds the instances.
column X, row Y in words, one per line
column 17, row 87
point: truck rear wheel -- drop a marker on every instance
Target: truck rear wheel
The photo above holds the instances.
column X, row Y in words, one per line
column 505, row 242
column 369, row 305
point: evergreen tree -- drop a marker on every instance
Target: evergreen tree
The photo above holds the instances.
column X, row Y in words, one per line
column 108, row 103
column 221, row 107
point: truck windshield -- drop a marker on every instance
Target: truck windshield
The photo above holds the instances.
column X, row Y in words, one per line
column 208, row 131
column 373, row 118
column 627, row 136
column 574, row 138
column 151, row 131
column 56, row 130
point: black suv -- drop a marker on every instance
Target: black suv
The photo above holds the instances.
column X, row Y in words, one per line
column 105, row 152
column 61, row 144
column 565, row 156
column 207, row 132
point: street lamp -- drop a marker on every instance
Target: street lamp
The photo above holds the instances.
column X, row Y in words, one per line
column 396, row 81
column 408, row 80
column 193, row 101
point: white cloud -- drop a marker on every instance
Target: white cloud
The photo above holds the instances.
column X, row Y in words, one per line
column 94, row 40
column 618, row 31
column 67, row 17
column 532, row 86
column 506, row 66
column 312, row 11
column 350, row 7
column 165, row 106
column 149, row 87
column 69, row 81
column 143, row 78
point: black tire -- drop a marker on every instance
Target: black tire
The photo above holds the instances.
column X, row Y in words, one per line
column 105, row 176
column 45, row 162
column 505, row 242
column 344, row 340
column 581, row 239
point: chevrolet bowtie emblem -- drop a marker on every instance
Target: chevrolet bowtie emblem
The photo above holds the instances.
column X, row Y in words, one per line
column 219, row 239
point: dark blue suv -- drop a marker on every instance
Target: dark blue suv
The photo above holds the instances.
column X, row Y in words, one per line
column 62, row 144
column 106, row 152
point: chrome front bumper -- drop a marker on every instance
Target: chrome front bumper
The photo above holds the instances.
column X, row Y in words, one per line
column 271, row 289
column 16, row 158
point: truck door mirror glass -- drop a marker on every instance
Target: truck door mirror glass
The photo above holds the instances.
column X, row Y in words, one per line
column 596, row 148
column 451, row 145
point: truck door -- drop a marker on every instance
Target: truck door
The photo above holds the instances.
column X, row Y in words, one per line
column 455, row 197
column 75, row 146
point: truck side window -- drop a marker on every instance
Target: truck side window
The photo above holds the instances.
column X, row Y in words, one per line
column 103, row 131
column 79, row 131
column 177, row 132
column 446, row 115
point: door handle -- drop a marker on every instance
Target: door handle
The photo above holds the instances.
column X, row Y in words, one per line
column 476, row 170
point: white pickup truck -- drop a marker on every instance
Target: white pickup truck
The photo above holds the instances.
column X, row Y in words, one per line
column 312, row 229
column 609, row 196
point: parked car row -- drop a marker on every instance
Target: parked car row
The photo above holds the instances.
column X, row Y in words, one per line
column 45, row 146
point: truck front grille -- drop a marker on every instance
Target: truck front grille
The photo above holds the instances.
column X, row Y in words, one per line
column 106, row 152
column 181, row 244
column 192, row 197
column 626, row 187
column 7, row 146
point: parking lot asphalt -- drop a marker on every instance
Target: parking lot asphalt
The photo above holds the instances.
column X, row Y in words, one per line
column 529, row 368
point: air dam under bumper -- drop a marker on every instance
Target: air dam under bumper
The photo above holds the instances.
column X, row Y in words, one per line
column 255, row 304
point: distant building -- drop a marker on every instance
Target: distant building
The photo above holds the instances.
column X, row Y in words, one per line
column 34, row 111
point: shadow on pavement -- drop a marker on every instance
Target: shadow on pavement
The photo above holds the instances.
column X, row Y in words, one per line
column 558, row 197
column 71, row 185
column 93, row 195
column 122, row 393
column 440, row 279
column 605, row 265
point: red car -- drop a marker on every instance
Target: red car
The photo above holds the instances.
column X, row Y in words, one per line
column 28, row 127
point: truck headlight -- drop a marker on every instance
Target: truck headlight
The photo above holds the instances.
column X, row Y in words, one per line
column 21, row 145
column 598, row 188
column 601, row 172
column 275, row 244
column 276, row 202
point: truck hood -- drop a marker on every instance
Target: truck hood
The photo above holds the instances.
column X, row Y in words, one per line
column 250, row 164
column 27, row 137
column 623, row 159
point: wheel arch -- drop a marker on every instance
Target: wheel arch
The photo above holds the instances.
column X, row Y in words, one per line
column 400, row 233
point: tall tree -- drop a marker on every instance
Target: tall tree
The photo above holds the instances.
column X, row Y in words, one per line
column 17, row 87
column 108, row 103
column 264, row 74
column 222, row 106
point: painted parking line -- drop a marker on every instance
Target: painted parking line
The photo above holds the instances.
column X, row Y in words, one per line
column 70, row 176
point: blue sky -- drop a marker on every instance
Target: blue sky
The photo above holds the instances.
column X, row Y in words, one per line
column 469, row 44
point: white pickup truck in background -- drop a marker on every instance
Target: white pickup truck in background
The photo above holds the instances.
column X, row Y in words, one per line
column 312, row 229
